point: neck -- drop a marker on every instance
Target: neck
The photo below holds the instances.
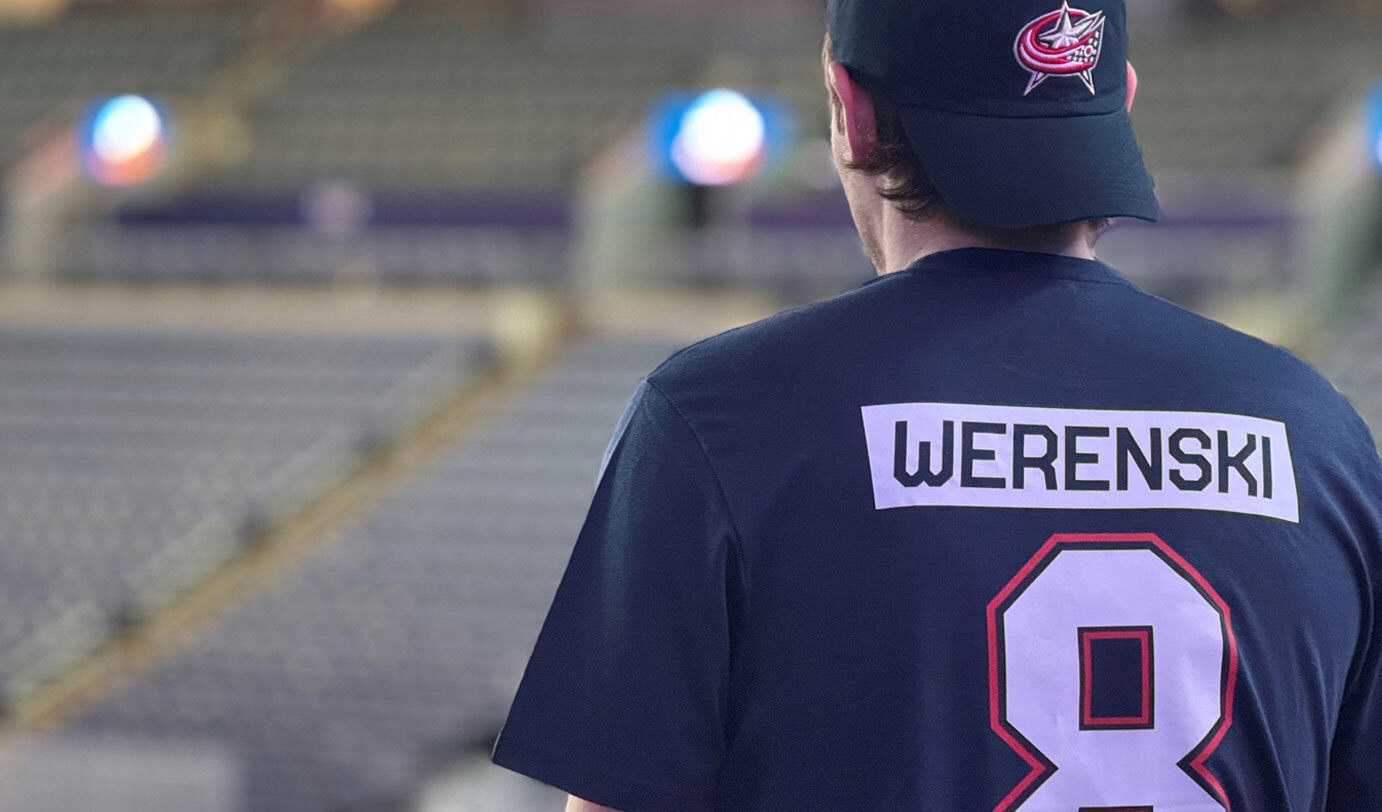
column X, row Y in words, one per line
column 903, row 241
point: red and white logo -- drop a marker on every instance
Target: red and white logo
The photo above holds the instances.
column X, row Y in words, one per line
column 1064, row 43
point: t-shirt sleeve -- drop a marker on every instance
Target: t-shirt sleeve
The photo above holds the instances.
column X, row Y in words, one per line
column 623, row 701
column 1355, row 770
column 1355, row 777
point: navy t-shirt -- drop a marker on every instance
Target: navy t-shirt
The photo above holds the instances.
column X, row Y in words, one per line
column 997, row 532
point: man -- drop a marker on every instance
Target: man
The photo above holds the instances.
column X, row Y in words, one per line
column 995, row 531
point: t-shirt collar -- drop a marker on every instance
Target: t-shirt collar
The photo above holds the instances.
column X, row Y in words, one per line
column 987, row 261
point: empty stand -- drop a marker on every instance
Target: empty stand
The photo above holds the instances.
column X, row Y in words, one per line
column 99, row 52
column 132, row 463
column 422, row 101
column 407, row 634
column 1243, row 97
column 1354, row 362
column 479, row 256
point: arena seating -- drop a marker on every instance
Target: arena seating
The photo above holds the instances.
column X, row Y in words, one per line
column 408, row 633
column 477, row 255
column 426, row 101
column 423, row 102
column 1236, row 97
column 134, row 462
column 1353, row 361
column 99, row 51
column 429, row 106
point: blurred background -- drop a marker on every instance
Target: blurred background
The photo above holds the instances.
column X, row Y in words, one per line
column 316, row 316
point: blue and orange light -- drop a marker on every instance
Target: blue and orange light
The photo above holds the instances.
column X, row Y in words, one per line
column 719, row 138
column 124, row 141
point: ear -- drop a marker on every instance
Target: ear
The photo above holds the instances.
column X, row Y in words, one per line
column 1132, row 85
column 861, row 124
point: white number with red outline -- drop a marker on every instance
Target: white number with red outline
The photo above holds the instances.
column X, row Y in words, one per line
column 1083, row 587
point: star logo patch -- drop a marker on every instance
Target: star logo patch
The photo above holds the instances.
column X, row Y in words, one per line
column 1065, row 43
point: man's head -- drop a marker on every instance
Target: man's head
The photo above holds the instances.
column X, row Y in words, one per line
column 1018, row 147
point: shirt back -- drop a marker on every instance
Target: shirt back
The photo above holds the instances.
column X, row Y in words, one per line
column 997, row 532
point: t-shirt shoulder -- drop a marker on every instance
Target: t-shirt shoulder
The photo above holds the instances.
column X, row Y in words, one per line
column 1295, row 380
column 741, row 351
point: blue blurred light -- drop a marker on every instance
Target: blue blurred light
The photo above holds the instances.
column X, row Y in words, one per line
column 1375, row 127
column 717, row 138
column 124, row 140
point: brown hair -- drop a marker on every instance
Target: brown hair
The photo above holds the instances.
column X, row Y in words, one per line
column 905, row 183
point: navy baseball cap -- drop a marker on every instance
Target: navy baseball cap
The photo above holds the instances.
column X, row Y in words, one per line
column 1016, row 108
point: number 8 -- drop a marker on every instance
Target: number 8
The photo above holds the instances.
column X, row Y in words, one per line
column 1085, row 603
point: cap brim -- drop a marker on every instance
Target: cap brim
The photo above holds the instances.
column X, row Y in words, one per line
column 1026, row 172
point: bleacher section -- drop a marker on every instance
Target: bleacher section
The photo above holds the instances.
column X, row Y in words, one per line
column 62, row 66
column 406, row 635
column 132, row 463
column 1354, row 362
column 1243, row 97
column 422, row 102
column 454, row 142
column 529, row 250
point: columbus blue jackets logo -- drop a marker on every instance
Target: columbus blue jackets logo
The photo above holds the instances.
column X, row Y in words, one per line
column 1064, row 44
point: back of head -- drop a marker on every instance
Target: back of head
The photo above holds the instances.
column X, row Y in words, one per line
column 1006, row 116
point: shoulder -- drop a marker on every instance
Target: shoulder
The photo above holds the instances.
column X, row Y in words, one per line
column 1218, row 348
column 1232, row 360
column 766, row 353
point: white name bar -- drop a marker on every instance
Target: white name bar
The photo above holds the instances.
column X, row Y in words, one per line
column 963, row 455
